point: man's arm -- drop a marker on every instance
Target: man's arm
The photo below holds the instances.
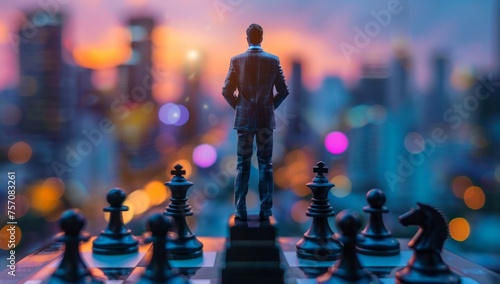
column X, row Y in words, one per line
column 229, row 87
column 281, row 87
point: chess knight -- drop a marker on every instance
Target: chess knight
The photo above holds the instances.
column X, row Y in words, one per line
column 254, row 73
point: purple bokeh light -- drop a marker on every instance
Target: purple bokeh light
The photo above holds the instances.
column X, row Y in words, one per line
column 204, row 155
column 169, row 113
column 183, row 116
column 336, row 142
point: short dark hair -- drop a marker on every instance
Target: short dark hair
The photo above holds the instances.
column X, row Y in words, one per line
column 255, row 33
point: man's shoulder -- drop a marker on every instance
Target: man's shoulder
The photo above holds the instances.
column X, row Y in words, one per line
column 262, row 54
column 271, row 56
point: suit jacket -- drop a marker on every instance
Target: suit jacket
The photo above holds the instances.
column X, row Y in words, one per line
column 254, row 73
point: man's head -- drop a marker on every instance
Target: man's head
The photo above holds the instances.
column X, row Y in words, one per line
column 254, row 34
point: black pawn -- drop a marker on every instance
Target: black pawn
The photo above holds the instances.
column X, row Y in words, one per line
column 182, row 243
column 318, row 243
column 159, row 269
column 375, row 239
column 348, row 269
column 72, row 269
column 116, row 238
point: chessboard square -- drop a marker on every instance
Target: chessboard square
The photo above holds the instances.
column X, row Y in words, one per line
column 294, row 261
column 384, row 281
column 112, row 261
column 207, row 260
column 400, row 259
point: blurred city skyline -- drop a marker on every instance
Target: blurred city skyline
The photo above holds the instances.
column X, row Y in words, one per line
column 316, row 33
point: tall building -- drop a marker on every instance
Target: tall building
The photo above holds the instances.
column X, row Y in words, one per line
column 45, row 80
column 139, row 128
column 47, row 89
column 191, row 98
column 366, row 141
column 293, row 111
column 438, row 100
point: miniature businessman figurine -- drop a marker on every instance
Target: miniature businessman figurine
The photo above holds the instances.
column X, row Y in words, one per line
column 254, row 73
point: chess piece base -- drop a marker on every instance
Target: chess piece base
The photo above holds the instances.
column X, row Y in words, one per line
column 412, row 275
column 319, row 249
column 377, row 246
column 184, row 248
column 115, row 244
column 174, row 279
column 340, row 278
column 252, row 254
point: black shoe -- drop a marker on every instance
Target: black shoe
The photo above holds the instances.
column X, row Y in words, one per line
column 264, row 216
column 241, row 215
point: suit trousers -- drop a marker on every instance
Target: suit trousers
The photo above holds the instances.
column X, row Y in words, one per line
column 264, row 140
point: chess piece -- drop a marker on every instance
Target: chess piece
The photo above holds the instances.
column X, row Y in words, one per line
column 348, row 269
column 159, row 269
column 252, row 252
column 116, row 238
column 72, row 269
column 317, row 243
column 375, row 239
column 182, row 243
column 426, row 264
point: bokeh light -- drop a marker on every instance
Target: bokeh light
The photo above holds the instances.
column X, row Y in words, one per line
column 183, row 116
column 414, row 143
column 204, row 155
column 298, row 211
column 459, row 185
column 336, row 142
column 45, row 197
column 140, row 200
column 169, row 113
column 342, row 186
column 20, row 153
column 157, row 192
column 459, row 229
column 357, row 116
column 474, row 197
column 5, row 236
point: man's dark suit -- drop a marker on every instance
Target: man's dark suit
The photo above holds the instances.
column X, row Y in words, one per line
column 255, row 73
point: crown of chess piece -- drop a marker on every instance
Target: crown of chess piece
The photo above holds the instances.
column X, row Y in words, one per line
column 116, row 238
column 426, row 265
column 375, row 239
column 348, row 268
column 182, row 243
column 72, row 268
column 318, row 242
column 159, row 269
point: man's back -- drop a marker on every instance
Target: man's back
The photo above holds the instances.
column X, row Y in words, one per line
column 254, row 73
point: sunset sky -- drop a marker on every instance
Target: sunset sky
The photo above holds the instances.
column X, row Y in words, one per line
column 312, row 31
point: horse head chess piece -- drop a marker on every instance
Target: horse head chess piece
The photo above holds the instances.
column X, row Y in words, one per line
column 426, row 264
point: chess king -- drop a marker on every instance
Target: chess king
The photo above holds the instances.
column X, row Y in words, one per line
column 254, row 73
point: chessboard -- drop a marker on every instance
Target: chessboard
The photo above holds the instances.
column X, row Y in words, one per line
column 128, row 268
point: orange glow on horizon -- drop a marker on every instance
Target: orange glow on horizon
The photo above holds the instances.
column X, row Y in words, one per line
column 113, row 50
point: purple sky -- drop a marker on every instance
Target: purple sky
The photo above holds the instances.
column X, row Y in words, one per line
column 310, row 30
